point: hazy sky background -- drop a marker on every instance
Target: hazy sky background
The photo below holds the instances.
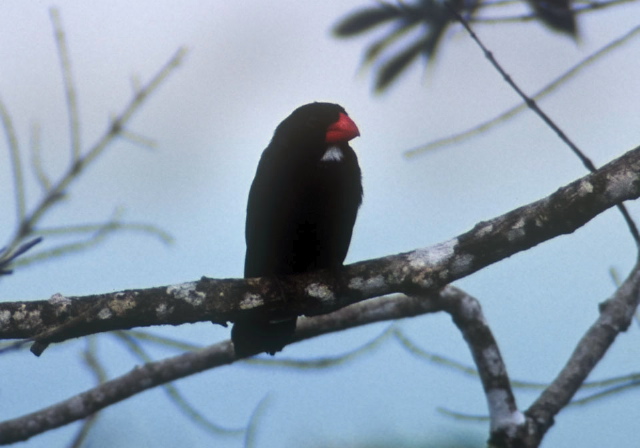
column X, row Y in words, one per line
column 249, row 64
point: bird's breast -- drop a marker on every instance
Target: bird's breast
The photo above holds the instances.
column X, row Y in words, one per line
column 332, row 154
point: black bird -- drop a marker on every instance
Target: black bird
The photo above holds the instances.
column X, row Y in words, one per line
column 302, row 207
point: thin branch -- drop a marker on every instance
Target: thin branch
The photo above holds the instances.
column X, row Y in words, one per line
column 449, row 363
column 92, row 361
column 515, row 110
column 412, row 348
column 549, row 122
column 163, row 340
column 27, row 223
column 15, row 346
column 68, row 248
column 608, row 392
column 528, row 100
column 121, row 120
column 100, row 233
column 69, row 85
column 137, row 139
column 54, row 191
column 462, row 416
column 113, row 224
column 57, row 191
column 176, row 397
column 613, row 385
column 7, row 258
column 252, row 431
column 16, row 164
column 325, row 362
column 85, row 429
column 36, row 159
column 578, row 8
column 614, row 381
column 468, row 370
column 605, row 393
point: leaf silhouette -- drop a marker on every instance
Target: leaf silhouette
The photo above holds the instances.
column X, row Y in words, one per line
column 431, row 19
column 365, row 19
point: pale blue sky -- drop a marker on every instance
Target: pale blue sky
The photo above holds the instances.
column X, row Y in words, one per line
column 249, row 65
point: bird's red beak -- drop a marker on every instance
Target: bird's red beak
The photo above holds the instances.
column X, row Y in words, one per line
column 342, row 130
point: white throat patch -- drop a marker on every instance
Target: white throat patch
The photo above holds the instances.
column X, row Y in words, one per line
column 332, row 154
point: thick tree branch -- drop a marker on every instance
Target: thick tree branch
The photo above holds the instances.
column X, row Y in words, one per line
column 156, row 373
column 508, row 425
column 466, row 312
column 566, row 210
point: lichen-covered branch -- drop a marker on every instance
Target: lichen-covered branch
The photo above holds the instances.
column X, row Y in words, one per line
column 160, row 372
column 566, row 210
column 466, row 312
column 509, row 427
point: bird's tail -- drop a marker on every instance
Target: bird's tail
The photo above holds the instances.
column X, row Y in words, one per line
column 254, row 336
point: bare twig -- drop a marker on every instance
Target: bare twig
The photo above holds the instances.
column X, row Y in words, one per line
column 54, row 191
column 605, row 393
column 252, row 431
column 6, row 258
column 83, row 432
column 58, row 189
column 98, row 234
column 69, row 85
column 514, row 111
column 163, row 341
column 176, row 397
column 36, row 159
column 137, row 139
column 16, row 163
column 94, row 364
column 443, row 361
column 462, row 416
column 324, row 362
column 113, row 224
column 578, row 8
column 468, row 370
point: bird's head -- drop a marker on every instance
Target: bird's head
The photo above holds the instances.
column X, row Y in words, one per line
column 317, row 124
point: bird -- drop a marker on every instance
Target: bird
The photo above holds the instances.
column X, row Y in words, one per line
column 301, row 210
